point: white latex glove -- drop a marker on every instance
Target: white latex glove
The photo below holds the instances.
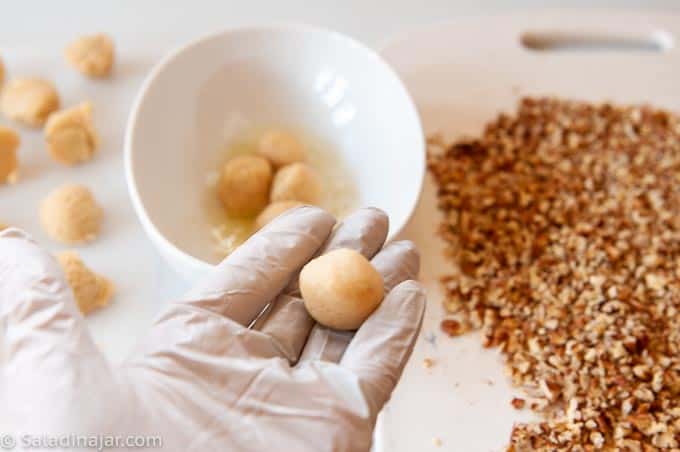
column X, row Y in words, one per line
column 208, row 377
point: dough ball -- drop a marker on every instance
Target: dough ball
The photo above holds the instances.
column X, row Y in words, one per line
column 297, row 182
column 280, row 148
column 244, row 185
column 341, row 289
column 29, row 100
column 91, row 55
column 91, row 291
column 70, row 214
column 9, row 164
column 3, row 226
column 273, row 210
column 71, row 136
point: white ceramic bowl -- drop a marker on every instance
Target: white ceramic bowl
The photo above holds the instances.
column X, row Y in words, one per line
column 330, row 84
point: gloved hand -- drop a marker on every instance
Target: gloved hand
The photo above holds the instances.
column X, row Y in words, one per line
column 212, row 375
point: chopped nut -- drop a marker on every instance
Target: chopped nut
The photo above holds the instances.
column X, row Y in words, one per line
column 563, row 220
column 517, row 403
column 428, row 363
column 453, row 327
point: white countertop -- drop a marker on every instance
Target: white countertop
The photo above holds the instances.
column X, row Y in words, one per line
column 32, row 35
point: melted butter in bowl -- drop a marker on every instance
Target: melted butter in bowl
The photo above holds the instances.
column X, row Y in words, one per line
column 339, row 192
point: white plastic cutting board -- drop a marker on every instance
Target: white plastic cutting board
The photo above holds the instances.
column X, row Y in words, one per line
column 462, row 75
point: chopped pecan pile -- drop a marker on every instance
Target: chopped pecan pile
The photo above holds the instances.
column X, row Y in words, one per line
column 563, row 221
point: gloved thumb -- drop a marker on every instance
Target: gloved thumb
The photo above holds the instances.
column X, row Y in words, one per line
column 45, row 345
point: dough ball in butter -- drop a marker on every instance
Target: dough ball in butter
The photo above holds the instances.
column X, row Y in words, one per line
column 91, row 55
column 280, row 148
column 341, row 289
column 91, row 291
column 297, row 182
column 244, row 185
column 70, row 214
column 29, row 100
column 70, row 135
column 9, row 163
column 273, row 210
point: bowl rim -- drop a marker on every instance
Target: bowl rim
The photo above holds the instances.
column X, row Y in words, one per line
column 148, row 225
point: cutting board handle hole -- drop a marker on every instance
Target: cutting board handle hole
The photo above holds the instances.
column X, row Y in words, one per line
column 560, row 41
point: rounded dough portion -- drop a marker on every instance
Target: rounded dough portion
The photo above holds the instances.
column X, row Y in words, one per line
column 70, row 135
column 29, row 100
column 9, row 163
column 90, row 290
column 91, row 55
column 280, row 148
column 70, row 214
column 297, row 182
column 341, row 289
column 244, row 185
column 273, row 210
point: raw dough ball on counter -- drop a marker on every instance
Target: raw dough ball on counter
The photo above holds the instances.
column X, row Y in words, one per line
column 90, row 290
column 297, row 182
column 91, row 55
column 273, row 210
column 244, row 185
column 281, row 148
column 29, row 100
column 341, row 289
column 71, row 136
column 70, row 214
column 9, row 164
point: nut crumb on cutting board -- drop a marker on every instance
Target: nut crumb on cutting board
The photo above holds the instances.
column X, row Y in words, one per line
column 563, row 221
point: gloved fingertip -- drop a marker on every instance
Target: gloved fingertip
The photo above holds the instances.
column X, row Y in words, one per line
column 410, row 254
column 408, row 299
column 16, row 233
column 379, row 216
column 397, row 262
column 311, row 214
